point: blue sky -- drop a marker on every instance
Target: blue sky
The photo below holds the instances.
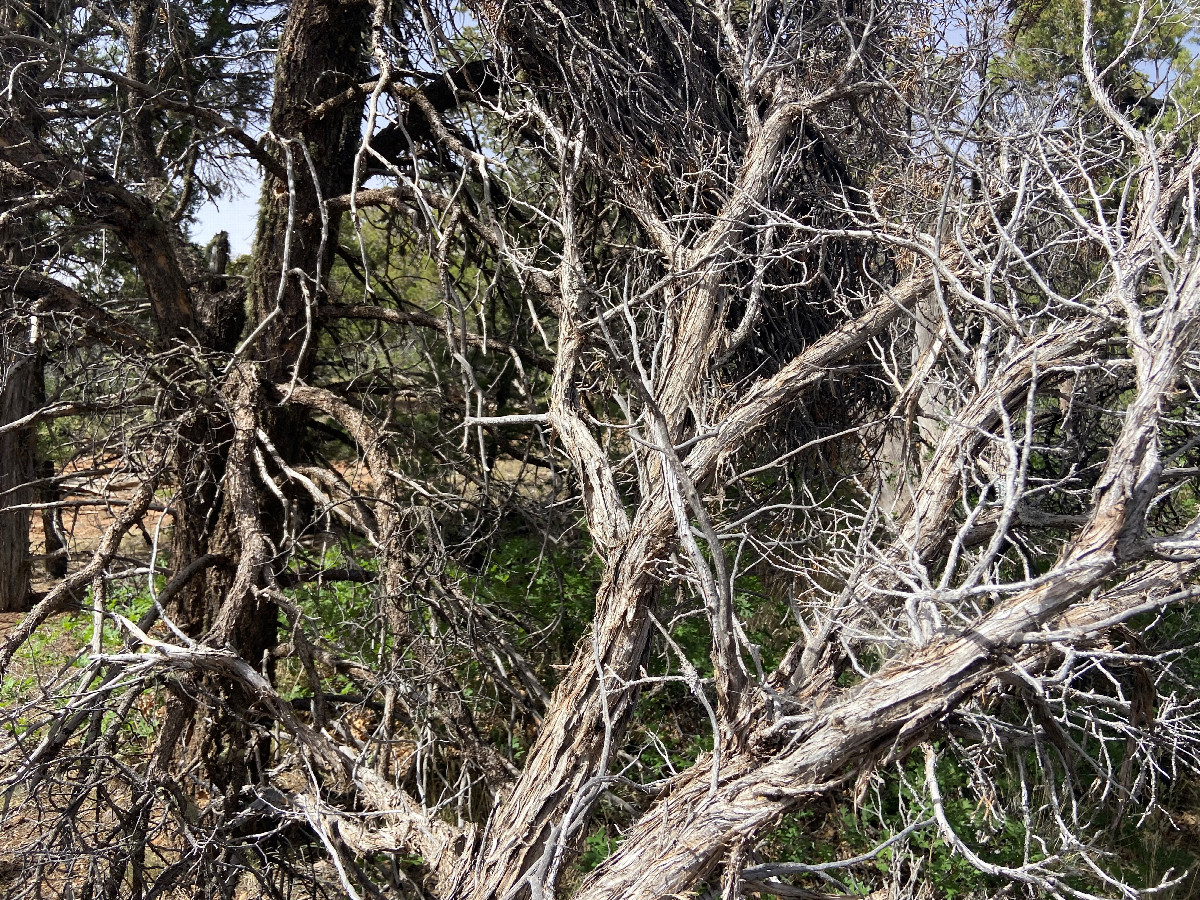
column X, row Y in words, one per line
column 236, row 214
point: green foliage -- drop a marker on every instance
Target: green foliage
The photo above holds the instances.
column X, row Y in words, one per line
column 597, row 847
column 986, row 818
column 839, row 830
column 53, row 648
column 335, row 613
column 330, row 607
column 55, row 657
column 408, row 272
column 549, row 590
column 1047, row 40
column 1142, row 54
column 63, row 641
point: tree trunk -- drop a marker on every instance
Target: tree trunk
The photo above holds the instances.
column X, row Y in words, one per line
column 18, row 383
column 20, row 374
column 319, row 54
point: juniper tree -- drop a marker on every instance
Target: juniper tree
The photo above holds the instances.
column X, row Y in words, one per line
column 637, row 420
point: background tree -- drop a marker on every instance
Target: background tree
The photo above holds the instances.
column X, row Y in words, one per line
column 636, row 426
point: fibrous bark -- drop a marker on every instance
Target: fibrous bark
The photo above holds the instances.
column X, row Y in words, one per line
column 708, row 410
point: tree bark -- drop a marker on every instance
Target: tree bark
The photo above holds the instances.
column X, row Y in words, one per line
column 20, row 370
column 18, row 391
column 319, row 52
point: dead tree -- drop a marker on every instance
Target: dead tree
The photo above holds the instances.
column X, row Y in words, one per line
column 854, row 355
